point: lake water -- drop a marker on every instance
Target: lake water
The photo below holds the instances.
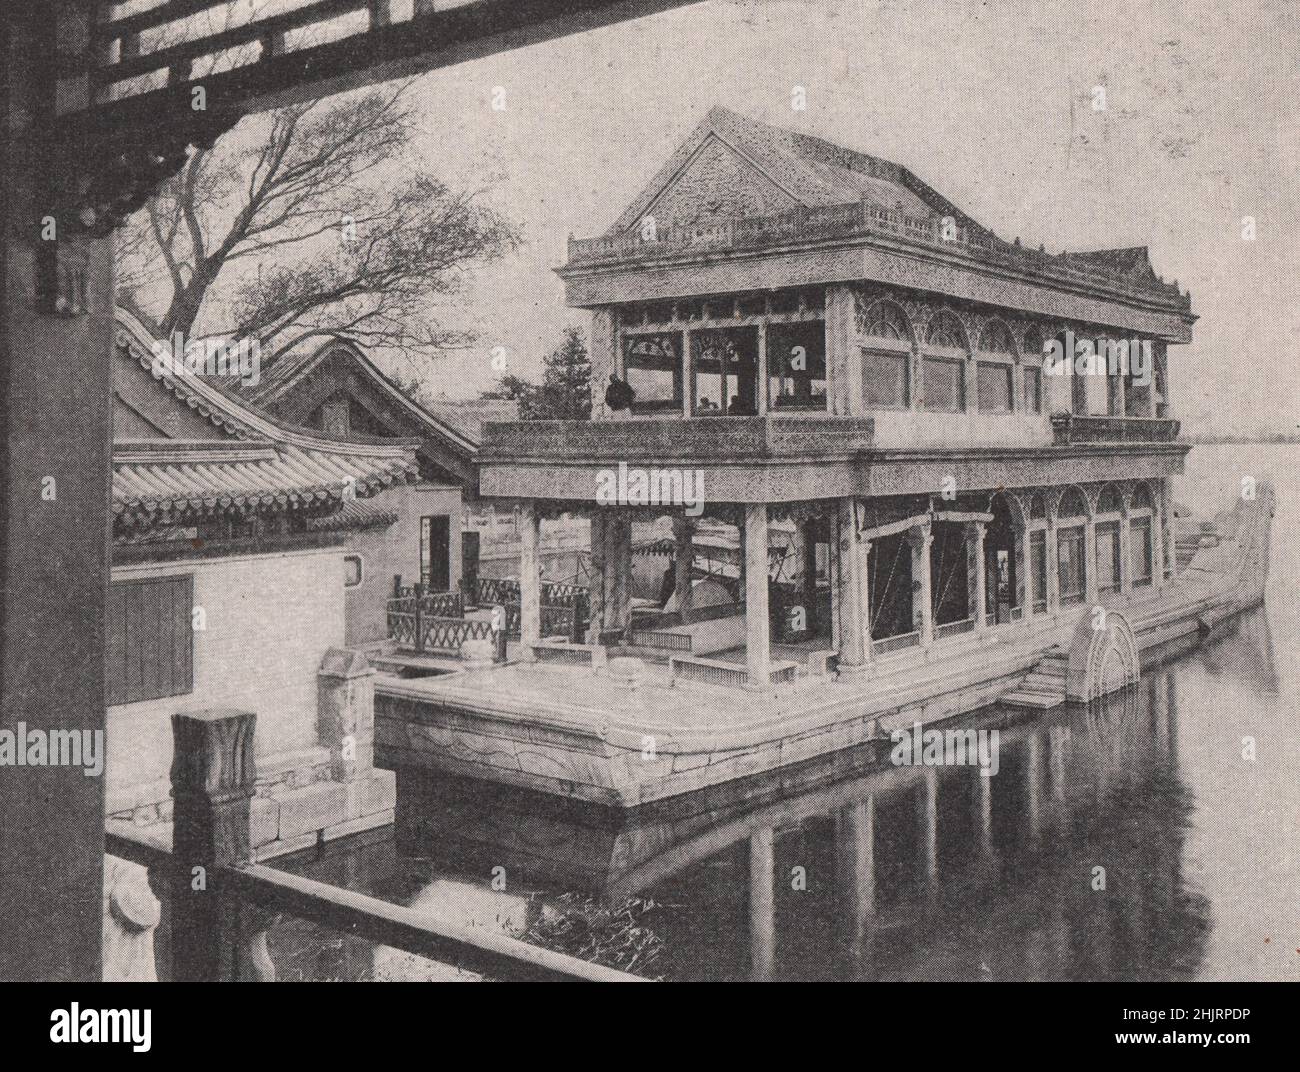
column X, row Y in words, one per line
column 861, row 874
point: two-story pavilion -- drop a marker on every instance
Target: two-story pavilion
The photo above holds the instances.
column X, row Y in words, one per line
column 816, row 334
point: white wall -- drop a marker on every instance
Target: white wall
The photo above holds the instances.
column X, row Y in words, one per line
column 269, row 620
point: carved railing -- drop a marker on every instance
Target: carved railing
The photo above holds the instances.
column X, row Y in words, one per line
column 1087, row 428
column 860, row 219
column 895, row 643
column 953, row 628
column 219, row 930
column 653, row 638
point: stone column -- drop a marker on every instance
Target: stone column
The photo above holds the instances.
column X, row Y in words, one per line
column 530, row 579
column 1025, row 567
column 618, row 570
column 1053, row 568
column 919, row 539
column 684, row 554
column 756, row 609
column 1125, row 562
column 854, row 592
column 762, row 905
column 1090, row 561
column 761, row 401
column 1160, row 534
column 604, row 357
column 596, row 593
column 975, row 550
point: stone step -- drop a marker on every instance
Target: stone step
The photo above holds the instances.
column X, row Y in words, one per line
column 1039, row 700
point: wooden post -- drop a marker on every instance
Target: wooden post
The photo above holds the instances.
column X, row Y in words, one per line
column 530, row 581
column 213, row 778
column 756, row 602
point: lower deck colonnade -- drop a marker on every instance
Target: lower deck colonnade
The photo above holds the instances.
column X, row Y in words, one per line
column 852, row 578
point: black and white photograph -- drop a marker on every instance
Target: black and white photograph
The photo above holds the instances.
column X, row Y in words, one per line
column 681, row 491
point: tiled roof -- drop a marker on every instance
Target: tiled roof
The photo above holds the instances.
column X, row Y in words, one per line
column 263, row 465
column 815, row 172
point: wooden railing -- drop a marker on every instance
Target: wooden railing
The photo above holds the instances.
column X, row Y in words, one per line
column 218, row 933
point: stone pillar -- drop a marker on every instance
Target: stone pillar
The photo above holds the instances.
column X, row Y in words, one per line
column 213, row 775
column 1090, row 561
column 853, row 583
column 975, row 552
column 756, row 607
column 1025, row 568
column 530, row 579
column 604, row 357
column 1125, row 561
column 762, row 905
column 1161, row 533
column 919, row 539
column 1053, row 568
column 345, row 713
column 618, row 571
column 596, row 593
column 761, row 401
column 684, row 554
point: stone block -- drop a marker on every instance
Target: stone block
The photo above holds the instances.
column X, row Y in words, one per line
column 304, row 811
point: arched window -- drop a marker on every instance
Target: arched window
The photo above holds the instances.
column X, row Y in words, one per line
column 1109, row 501
column 995, row 380
column 1073, row 504
column 996, row 338
column 886, row 356
column 1033, row 343
column 943, row 378
column 885, row 320
column 1142, row 497
column 1037, row 508
column 945, row 329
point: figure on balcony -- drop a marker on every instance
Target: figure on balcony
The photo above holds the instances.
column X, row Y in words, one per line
column 619, row 396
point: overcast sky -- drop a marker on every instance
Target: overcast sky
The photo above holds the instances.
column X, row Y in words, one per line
column 990, row 103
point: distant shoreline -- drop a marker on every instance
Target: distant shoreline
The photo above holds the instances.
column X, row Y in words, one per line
column 1212, row 441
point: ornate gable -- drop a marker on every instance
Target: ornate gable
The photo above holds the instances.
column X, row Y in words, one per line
column 716, row 184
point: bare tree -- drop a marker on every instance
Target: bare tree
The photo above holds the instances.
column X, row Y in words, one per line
column 347, row 238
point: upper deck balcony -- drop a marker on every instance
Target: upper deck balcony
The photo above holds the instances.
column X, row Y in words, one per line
column 773, row 458
column 865, row 221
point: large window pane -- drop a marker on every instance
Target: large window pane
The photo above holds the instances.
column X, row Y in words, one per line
column 1069, row 564
column 1139, row 542
column 1108, row 551
column 1033, row 380
column 796, row 365
column 1038, row 568
column 994, row 386
column 943, row 387
column 884, row 378
column 654, row 371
